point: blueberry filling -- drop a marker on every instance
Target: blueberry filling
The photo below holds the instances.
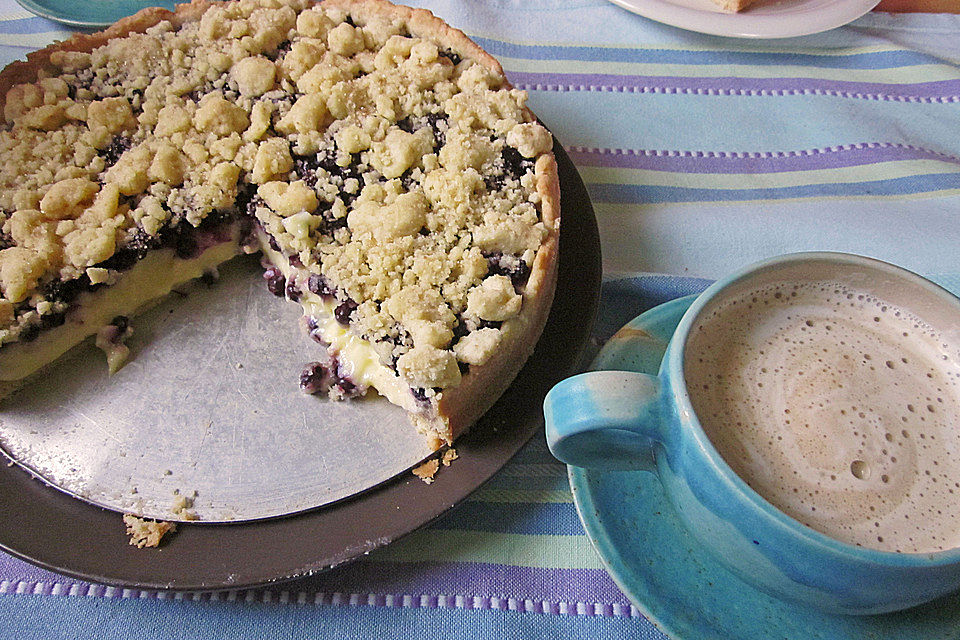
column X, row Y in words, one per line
column 314, row 331
column 293, row 291
column 420, row 395
column 135, row 249
column 343, row 311
column 463, row 328
column 51, row 320
column 514, row 166
column 66, row 291
column 320, row 377
column 114, row 150
column 116, row 331
column 247, row 200
column 6, row 241
column 122, row 323
column 511, row 266
column 452, row 56
column 282, row 49
column 320, row 286
column 314, row 378
column 306, row 169
column 276, row 283
column 436, row 121
column 29, row 333
column 460, row 330
column 209, row 278
column 188, row 241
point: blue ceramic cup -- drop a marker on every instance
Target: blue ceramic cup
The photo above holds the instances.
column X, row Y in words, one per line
column 624, row 420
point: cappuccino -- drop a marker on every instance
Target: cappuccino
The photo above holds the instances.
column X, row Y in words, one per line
column 837, row 407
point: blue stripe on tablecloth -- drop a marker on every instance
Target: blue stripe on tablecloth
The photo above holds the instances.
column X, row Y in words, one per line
column 894, row 188
column 835, row 59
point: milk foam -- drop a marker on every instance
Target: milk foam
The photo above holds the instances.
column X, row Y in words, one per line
column 836, row 407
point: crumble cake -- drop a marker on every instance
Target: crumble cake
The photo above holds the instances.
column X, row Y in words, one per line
column 395, row 183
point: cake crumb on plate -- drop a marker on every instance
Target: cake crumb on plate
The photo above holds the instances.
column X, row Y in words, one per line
column 146, row 533
column 427, row 470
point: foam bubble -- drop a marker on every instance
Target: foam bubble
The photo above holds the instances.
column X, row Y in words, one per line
column 838, row 414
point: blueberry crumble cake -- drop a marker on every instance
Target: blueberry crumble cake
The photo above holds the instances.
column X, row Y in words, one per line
column 395, row 183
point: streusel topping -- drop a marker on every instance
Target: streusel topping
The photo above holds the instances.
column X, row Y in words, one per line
column 400, row 173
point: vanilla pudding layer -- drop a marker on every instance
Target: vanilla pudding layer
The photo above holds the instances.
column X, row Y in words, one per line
column 837, row 407
column 362, row 364
column 149, row 280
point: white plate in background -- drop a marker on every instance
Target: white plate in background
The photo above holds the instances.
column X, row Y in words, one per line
column 766, row 19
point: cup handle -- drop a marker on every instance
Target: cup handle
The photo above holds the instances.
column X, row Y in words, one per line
column 607, row 420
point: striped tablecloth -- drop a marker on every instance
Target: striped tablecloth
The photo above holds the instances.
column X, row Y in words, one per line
column 701, row 154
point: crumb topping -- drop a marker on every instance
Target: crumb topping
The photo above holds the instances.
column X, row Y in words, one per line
column 399, row 171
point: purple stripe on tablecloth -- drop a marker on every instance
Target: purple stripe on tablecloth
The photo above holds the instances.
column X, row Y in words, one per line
column 469, row 580
column 760, row 162
column 281, row 596
column 936, row 91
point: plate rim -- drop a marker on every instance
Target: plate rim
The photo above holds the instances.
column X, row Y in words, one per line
column 60, row 533
column 745, row 25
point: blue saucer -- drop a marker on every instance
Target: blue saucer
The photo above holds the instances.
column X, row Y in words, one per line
column 91, row 14
column 665, row 572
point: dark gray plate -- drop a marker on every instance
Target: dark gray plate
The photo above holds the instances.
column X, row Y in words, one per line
column 58, row 532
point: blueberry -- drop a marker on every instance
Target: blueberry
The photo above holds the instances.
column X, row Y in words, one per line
column 293, row 291
column 29, row 333
column 187, row 246
column 306, row 168
column 514, row 166
column 513, row 267
column 319, row 285
column 114, row 150
column 51, row 320
column 276, row 283
column 343, row 311
column 247, row 199
column 122, row 323
column 66, row 290
column 420, row 395
column 121, row 260
column 453, row 56
column 314, row 377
